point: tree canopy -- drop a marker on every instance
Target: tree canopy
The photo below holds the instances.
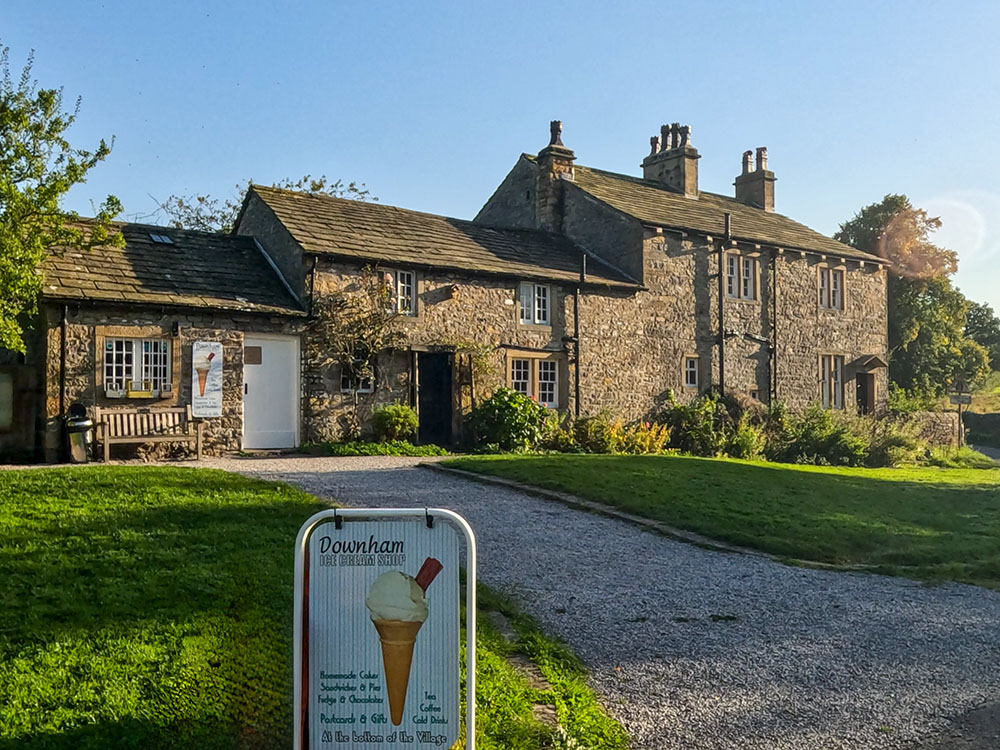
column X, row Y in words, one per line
column 983, row 327
column 38, row 166
column 210, row 214
column 928, row 345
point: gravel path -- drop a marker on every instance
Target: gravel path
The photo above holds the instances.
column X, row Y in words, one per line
column 697, row 649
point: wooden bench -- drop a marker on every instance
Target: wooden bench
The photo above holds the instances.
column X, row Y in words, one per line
column 146, row 425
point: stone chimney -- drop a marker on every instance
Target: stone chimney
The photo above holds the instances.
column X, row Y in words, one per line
column 673, row 161
column 755, row 187
column 555, row 164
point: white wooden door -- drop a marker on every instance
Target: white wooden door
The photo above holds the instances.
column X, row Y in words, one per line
column 270, row 392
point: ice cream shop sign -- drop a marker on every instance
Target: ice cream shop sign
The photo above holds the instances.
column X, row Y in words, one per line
column 206, row 379
column 377, row 629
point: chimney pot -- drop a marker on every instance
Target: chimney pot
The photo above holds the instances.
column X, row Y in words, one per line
column 675, row 134
column 747, row 161
column 762, row 158
column 664, row 137
column 654, row 145
column 555, row 133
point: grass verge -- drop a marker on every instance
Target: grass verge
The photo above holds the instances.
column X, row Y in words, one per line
column 147, row 607
column 928, row 523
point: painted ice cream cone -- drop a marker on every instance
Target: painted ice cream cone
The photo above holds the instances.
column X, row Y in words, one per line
column 202, row 365
column 202, row 377
column 398, row 610
column 397, row 637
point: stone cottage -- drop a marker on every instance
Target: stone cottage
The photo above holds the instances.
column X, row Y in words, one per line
column 586, row 289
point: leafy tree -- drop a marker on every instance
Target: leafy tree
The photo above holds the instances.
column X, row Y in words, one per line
column 983, row 327
column 38, row 166
column 209, row 214
column 928, row 345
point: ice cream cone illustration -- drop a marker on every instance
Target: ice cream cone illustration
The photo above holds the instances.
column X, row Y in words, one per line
column 398, row 610
column 202, row 366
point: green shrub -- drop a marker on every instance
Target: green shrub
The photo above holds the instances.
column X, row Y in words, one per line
column 509, row 420
column 643, row 438
column 701, row 427
column 747, row 440
column 819, row 437
column 595, row 435
column 394, row 422
column 903, row 401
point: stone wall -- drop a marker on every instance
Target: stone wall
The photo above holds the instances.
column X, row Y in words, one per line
column 475, row 317
column 513, row 202
column 88, row 326
column 936, row 427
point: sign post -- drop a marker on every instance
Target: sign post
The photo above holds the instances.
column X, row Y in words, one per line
column 376, row 658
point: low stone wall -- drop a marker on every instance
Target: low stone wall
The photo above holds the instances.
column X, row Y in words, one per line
column 936, row 427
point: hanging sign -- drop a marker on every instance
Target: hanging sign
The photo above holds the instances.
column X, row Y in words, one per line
column 377, row 629
column 206, row 379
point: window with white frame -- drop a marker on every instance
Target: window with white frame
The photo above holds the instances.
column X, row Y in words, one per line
column 537, row 378
column 690, row 372
column 535, row 303
column 831, row 376
column 831, row 288
column 136, row 365
column 741, row 277
column 402, row 291
column 547, row 383
column 520, row 376
column 350, row 383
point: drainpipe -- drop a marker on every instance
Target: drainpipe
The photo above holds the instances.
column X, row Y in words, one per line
column 62, row 383
column 722, row 305
column 774, row 326
column 576, row 331
column 312, row 285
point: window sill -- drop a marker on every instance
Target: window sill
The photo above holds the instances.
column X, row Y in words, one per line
column 535, row 326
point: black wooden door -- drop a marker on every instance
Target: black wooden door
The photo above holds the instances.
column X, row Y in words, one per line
column 434, row 399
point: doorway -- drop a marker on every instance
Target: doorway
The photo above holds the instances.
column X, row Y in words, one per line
column 270, row 392
column 434, row 397
column 865, row 393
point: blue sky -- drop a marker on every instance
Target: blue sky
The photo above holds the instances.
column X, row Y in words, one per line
column 431, row 103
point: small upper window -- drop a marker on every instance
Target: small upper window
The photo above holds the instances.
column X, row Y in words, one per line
column 161, row 239
column 741, row 277
column 690, row 372
column 831, row 288
column 535, row 303
column 402, row 291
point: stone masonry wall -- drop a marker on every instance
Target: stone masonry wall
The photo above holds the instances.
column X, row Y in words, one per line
column 84, row 376
column 513, row 202
column 480, row 314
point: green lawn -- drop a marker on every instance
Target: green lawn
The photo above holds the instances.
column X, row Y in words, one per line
column 938, row 524
column 145, row 607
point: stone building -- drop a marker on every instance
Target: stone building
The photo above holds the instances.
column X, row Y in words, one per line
column 589, row 290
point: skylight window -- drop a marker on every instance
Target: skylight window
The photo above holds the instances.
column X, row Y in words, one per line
column 161, row 239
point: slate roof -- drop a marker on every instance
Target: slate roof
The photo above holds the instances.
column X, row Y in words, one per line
column 200, row 269
column 654, row 204
column 379, row 233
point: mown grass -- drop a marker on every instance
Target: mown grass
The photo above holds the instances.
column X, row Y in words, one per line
column 148, row 607
column 937, row 524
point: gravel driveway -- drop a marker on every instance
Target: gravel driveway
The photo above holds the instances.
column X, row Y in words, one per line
column 697, row 649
